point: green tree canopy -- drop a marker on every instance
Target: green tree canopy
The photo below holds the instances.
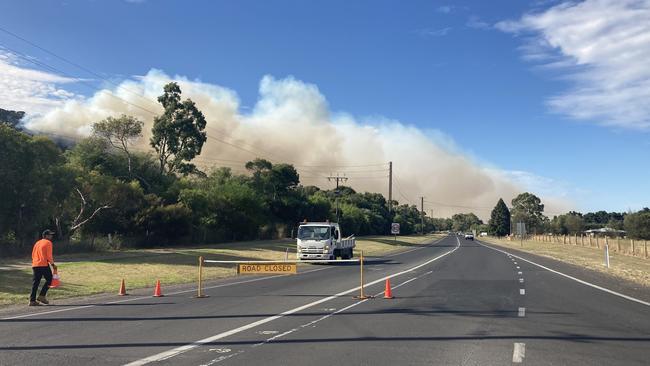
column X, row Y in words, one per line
column 178, row 134
column 528, row 208
column 499, row 223
column 119, row 133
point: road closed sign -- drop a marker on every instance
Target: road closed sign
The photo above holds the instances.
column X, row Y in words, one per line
column 394, row 228
column 267, row 268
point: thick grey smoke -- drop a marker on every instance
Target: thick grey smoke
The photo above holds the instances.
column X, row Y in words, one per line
column 292, row 122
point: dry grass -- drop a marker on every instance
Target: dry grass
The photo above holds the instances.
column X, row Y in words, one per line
column 94, row 273
column 635, row 269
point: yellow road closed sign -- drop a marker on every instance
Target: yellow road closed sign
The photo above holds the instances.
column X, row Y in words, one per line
column 267, row 268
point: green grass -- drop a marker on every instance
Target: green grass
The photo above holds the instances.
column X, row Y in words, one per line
column 94, row 273
column 635, row 269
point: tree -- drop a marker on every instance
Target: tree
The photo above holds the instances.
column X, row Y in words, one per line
column 11, row 118
column 465, row 222
column 119, row 133
column 527, row 208
column 178, row 134
column 637, row 224
column 500, row 219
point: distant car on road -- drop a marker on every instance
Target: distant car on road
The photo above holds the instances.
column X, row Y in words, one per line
column 469, row 236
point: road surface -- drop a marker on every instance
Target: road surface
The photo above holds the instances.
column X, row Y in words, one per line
column 457, row 302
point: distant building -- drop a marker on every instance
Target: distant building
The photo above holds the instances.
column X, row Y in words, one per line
column 605, row 231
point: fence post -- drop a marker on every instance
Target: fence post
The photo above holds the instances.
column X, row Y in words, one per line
column 645, row 249
column 597, row 243
column 632, row 247
column 582, row 240
column 590, row 241
column 563, row 239
column 606, row 253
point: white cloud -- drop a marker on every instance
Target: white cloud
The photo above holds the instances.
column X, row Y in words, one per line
column 603, row 46
column 292, row 122
column 27, row 89
column 476, row 22
column 434, row 32
column 445, row 9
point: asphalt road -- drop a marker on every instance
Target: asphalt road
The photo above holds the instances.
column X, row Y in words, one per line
column 457, row 303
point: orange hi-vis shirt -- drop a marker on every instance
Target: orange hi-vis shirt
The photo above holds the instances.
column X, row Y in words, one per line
column 42, row 253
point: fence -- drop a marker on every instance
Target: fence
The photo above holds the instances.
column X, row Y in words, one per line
column 630, row 247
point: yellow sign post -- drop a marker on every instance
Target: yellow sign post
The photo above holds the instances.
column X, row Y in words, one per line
column 267, row 268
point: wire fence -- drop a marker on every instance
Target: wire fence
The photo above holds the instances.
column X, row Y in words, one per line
column 625, row 246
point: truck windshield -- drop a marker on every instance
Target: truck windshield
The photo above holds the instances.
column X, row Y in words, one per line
column 313, row 232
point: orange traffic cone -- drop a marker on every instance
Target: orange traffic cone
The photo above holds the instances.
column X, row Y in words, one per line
column 388, row 294
column 158, row 292
column 122, row 291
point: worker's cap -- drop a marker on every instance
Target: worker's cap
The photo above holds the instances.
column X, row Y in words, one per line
column 48, row 232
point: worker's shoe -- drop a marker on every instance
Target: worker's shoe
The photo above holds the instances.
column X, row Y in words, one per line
column 34, row 303
column 42, row 299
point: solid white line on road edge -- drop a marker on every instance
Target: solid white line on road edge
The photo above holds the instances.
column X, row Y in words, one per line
column 149, row 296
column 519, row 352
column 575, row 279
column 178, row 350
column 522, row 291
column 522, row 312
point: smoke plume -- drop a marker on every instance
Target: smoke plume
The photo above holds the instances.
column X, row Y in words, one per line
column 292, row 122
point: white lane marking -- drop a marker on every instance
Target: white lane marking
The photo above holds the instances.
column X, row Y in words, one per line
column 149, row 296
column 404, row 283
column 178, row 350
column 521, row 280
column 267, row 332
column 576, row 279
column 220, row 350
column 519, row 352
column 522, row 312
column 518, row 267
column 221, row 358
column 522, row 291
column 428, row 273
column 519, row 272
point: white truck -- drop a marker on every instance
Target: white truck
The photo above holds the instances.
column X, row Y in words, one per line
column 322, row 240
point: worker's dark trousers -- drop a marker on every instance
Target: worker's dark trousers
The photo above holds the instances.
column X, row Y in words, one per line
column 40, row 272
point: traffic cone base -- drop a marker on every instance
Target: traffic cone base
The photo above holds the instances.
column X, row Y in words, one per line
column 388, row 294
column 157, row 292
column 122, row 291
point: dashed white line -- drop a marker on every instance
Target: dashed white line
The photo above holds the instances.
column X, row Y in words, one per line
column 518, row 267
column 521, row 280
column 522, row 312
column 522, row 291
column 519, row 352
column 573, row 278
column 519, row 273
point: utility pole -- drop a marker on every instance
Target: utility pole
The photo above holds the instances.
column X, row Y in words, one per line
column 390, row 186
column 422, row 215
column 338, row 178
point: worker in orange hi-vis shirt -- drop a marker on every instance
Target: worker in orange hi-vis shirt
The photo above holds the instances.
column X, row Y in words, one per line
column 41, row 261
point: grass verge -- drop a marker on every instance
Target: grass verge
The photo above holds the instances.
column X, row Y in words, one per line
column 623, row 266
column 95, row 273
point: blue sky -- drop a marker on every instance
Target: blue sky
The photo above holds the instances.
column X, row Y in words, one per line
column 472, row 70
